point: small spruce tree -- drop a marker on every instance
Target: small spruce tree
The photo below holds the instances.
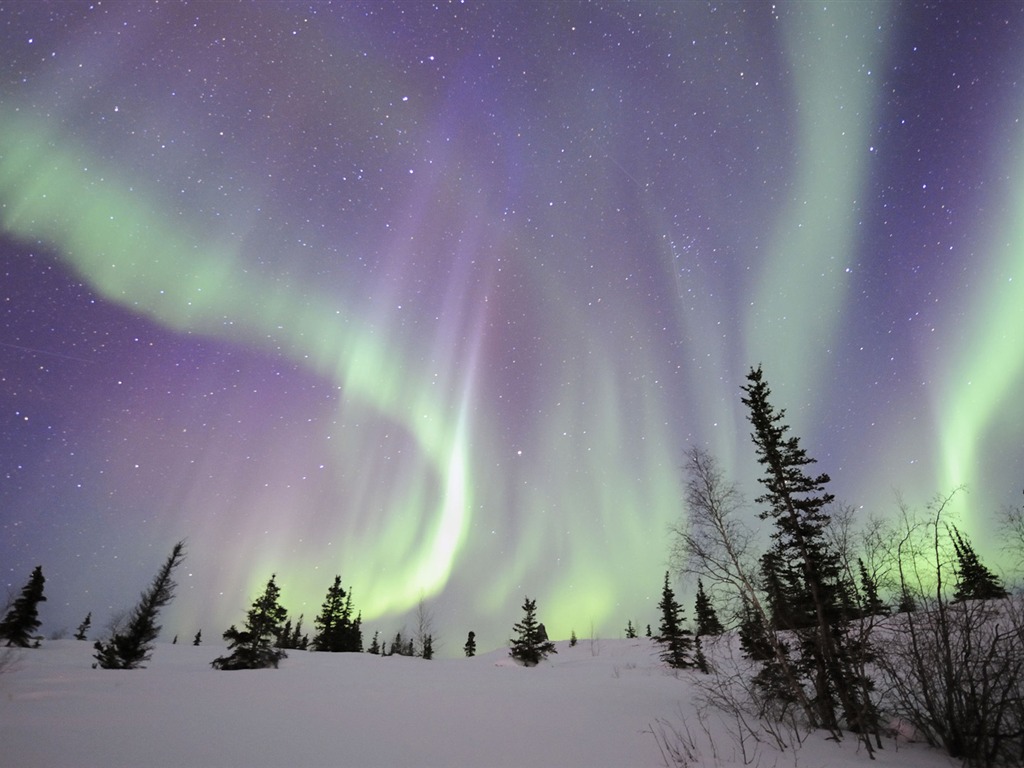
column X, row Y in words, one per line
column 22, row 620
column 630, row 630
column 128, row 649
column 676, row 641
column 470, row 646
column 704, row 612
column 427, row 649
column 573, row 639
column 374, row 645
column 198, row 639
column 872, row 604
column 699, row 659
column 83, row 628
column 530, row 645
column 974, row 581
column 253, row 646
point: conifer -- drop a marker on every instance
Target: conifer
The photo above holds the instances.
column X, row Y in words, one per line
column 130, row 648
column 253, row 646
column 470, row 646
column 974, row 581
column 336, row 630
column 530, row 646
column 676, row 641
column 84, row 627
column 705, row 614
column 22, row 620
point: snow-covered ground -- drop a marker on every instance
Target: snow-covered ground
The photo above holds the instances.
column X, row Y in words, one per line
column 592, row 705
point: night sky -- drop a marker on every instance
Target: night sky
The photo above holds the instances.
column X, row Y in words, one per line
column 435, row 296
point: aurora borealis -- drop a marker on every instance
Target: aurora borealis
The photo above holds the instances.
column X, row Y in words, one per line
column 435, row 295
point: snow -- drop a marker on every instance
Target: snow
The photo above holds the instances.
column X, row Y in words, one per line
column 592, row 705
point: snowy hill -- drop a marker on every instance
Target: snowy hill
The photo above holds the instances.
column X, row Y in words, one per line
column 592, row 705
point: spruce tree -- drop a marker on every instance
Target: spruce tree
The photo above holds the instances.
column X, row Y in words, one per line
column 530, row 645
column 630, row 630
column 374, row 645
column 705, row 614
column 128, row 649
column 198, row 639
column 676, row 641
column 872, row 604
column 804, row 570
column 253, row 646
column 573, row 639
column 974, row 581
column 427, row 649
column 470, row 646
column 907, row 603
column 336, row 630
column 22, row 620
column 83, row 628
column 699, row 659
column 754, row 641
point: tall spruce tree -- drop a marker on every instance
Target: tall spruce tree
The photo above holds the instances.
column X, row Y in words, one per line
column 22, row 620
column 806, row 569
column 530, row 645
column 253, row 647
column 974, row 581
column 705, row 614
column 128, row 649
column 676, row 641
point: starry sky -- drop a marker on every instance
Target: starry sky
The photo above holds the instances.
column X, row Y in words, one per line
column 435, row 296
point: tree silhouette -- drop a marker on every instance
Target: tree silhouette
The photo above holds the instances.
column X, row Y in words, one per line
column 130, row 648
column 253, row 647
column 530, row 645
column 22, row 620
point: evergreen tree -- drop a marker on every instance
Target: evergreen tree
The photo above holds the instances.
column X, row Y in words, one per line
column 198, row 639
column 704, row 612
column 291, row 637
column 676, row 641
column 699, row 659
column 872, row 603
column 22, row 620
column 401, row 646
column 974, row 581
column 470, row 646
column 253, row 646
column 754, row 641
column 648, row 633
column 530, row 646
column 630, row 630
column 128, row 649
column 337, row 631
column 573, row 639
column 427, row 650
column 804, row 571
column 907, row 603
column 83, row 628
column 375, row 645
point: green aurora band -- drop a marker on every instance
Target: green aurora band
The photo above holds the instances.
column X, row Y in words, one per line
column 108, row 232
